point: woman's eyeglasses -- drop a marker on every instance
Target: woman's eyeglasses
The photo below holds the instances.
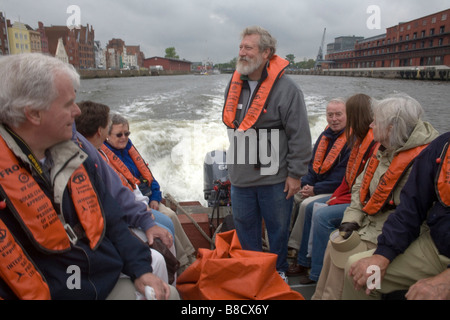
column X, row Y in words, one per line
column 119, row 135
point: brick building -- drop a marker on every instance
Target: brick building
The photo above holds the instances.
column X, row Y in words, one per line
column 85, row 38
column 4, row 43
column 137, row 54
column 44, row 39
column 79, row 44
column 421, row 42
column 169, row 64
column 114, row 53
column 54, row 33
column 119, row 55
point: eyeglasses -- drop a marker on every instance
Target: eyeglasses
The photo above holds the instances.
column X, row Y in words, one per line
column 119, row 135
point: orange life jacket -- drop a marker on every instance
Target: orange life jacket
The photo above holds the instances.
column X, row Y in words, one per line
column 322, row 164
column 36, row 214
column 399, row 165
column 142, row 166
column 261, row 96
column 16, row 269
column 356, row 160
column 443, row 179
column 125, row 175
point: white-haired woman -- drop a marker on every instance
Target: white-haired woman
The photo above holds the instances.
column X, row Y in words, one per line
column 402, row 135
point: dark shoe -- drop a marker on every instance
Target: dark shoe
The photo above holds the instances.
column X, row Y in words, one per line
column 296, row 270
column 304, row 279
column 292, row 253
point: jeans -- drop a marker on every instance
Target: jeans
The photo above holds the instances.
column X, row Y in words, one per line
column 324, row 222
column 164, row 221
column 252, row 204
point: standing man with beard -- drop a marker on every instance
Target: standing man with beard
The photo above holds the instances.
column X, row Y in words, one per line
column 270, row 144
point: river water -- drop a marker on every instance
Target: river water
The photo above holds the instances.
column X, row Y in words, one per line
column 176, row 120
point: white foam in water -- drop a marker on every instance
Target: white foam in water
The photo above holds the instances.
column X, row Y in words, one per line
column 175, row 150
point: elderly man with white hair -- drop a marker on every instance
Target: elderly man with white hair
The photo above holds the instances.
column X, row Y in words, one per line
column 265, row 107
column 63, row 235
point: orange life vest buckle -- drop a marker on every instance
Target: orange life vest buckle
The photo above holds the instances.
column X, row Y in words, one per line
column 71, row 234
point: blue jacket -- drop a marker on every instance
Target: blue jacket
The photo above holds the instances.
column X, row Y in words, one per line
column 136, row 212
column 119, row 251
column 328, row 182
column 418, row 203
column 128, row 161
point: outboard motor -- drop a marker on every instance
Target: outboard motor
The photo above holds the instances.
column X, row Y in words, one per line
column 216, row 184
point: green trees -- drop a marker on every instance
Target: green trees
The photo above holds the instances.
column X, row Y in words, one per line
column 171, row 53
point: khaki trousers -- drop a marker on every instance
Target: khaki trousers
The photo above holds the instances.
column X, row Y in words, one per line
column 300, row 204
column 331, row 280
column 125, row 290
column 420, row 261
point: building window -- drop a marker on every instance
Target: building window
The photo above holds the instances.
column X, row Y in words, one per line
column 422, row 34
column 431, row 31
column 442, row 29
column 444, row 17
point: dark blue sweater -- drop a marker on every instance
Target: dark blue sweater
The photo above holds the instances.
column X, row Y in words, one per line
column 329, row 181
column 418, row 203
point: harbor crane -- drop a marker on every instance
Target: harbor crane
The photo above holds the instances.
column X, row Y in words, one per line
column 319, row 58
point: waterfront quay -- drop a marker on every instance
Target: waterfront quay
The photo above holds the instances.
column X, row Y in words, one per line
column 143, row 72
column 440, row 73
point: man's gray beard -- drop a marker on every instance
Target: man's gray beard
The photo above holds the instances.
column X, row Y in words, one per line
column 252, row 66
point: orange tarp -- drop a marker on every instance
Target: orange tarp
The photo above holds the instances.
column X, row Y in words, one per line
column 230, row 273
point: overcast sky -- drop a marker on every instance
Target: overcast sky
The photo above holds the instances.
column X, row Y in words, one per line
column 209, row 29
